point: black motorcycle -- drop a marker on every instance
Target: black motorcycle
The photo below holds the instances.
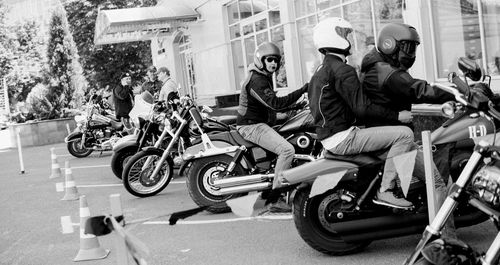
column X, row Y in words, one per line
column 227, row 155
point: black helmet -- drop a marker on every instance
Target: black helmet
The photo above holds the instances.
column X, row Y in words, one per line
column 398, row 42
column 264, row 50
column 449, row 251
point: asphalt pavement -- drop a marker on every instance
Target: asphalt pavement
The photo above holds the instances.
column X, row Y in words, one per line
column 31, row 231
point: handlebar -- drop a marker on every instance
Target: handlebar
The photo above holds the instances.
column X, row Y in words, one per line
column 452, row 90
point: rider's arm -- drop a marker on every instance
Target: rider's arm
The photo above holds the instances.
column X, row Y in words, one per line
column 263, row 92
column 403, row 86
column 350, row 90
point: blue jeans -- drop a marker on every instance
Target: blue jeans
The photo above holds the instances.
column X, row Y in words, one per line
column 397, row 139
column 266, row 137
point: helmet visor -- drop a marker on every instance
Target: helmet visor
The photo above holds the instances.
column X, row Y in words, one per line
column 409, row 47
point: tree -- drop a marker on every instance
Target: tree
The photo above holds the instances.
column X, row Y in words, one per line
column 103, row 65
column 27, row 60
column 5, row 51
column 60, row 57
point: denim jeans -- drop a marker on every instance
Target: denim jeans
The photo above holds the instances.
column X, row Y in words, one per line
column 397, row 139
column 266, row 137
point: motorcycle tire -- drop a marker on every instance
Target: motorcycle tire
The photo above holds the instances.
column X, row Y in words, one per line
column 200, row 176
column 120, row 159
column 136, row 180
column 458, row 162
column 306, row 217
column 74, row 148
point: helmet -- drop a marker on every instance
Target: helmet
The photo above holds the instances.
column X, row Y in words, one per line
column 330, row 35
column 399, row 42
column 263, row 50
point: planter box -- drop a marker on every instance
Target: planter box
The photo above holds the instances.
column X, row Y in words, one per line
column 41, row 132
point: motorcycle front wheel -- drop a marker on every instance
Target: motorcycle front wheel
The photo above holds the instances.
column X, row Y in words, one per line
column 138, row 181
column 200, row 178
column 309, row 217
column 120, row 159
column 75, row 149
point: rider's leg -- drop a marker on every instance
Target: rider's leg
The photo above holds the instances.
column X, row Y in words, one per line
column 398, row 139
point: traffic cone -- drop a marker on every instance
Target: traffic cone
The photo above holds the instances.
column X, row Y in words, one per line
column 71, row 193
column 89, row 244
column 56, row 169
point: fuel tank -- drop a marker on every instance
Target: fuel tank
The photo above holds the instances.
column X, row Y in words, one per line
column 464, row 126
column 302, row 121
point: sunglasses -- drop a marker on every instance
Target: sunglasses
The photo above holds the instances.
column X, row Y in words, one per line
column 272, row 59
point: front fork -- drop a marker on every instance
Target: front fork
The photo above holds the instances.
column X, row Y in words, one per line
column 82, row 143
column 434, row 229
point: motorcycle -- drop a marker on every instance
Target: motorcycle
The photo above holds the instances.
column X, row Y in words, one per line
column 150, row 132
column 227, row 155
column 345, row 219
column 478, row 187
column 97, row 130
column 150, row 170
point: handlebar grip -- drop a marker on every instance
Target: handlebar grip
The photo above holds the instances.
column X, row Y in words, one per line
column 493, row 112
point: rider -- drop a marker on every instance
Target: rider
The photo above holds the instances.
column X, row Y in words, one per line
column 386, row 81
column 385, row 78
column 258, row 105
column 342, row 106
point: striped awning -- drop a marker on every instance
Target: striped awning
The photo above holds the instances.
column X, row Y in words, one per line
column 139, row 24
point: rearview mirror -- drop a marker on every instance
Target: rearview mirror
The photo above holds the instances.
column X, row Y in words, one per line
column 470, row 68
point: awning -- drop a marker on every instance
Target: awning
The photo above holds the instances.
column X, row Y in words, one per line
column 139, row 24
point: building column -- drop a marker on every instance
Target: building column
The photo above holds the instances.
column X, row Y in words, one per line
column 417, row 14
column 291, row 45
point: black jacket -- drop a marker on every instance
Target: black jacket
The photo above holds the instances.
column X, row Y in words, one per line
column 123, row 99
column 396, row 88
column 258, row 101
column 337, row 101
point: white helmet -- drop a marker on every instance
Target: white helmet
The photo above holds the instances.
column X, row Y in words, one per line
column 330, row 35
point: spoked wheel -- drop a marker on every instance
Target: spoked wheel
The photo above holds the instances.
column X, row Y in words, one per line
column 200, row 179
column 310, row 217
column 75, row 148
column 139, row 169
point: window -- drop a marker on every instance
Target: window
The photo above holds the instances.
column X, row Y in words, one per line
column 457, row 33
column 358, row 13
column 252, row 22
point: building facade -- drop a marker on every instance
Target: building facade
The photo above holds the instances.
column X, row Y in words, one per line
column 209, row 48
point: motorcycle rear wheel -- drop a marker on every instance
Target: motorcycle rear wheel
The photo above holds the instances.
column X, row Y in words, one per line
column 74, row 148
column 306, row 217
column 120, row 159
column 137, row 182
column 199, row 180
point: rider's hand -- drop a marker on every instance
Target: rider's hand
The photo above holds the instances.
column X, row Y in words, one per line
column 405, row 116
column 301, row 104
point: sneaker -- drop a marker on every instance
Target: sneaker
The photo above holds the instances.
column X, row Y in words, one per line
column 279, row 207
column 388, row 199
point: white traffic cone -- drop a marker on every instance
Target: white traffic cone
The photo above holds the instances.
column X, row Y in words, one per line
column 56, row 169
column 90, row 249
column 71, row 193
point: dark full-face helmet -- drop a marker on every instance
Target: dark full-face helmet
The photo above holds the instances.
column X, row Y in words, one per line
column 264, row 51
column 398, row 42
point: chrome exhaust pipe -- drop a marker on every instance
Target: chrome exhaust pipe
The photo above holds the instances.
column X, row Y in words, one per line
column 304, row 157
column 243, row 180
column 246, row 188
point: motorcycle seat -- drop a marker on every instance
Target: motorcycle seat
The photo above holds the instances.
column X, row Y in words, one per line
column 117, row 125
column 226, row 119
column 239, row 139
column 358, row 159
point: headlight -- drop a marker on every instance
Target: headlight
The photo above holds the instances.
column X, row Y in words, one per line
column 80, row 119
column 486, row 185
column 448, row 109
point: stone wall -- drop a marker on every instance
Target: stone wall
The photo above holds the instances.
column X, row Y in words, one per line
column 41, row 132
